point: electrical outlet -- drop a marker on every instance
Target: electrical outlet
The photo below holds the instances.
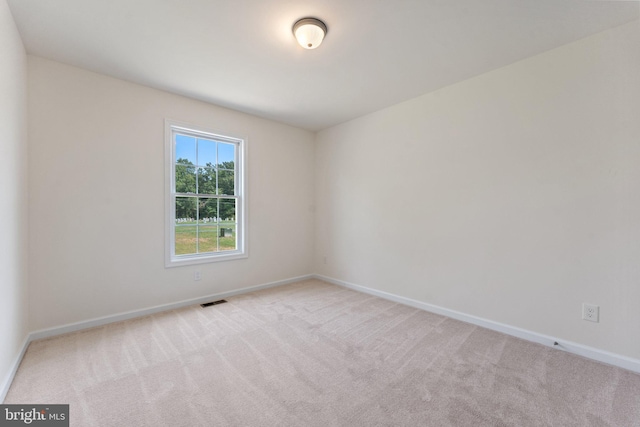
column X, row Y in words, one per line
column 197, row 275
column 590, row 312
column 324, row 260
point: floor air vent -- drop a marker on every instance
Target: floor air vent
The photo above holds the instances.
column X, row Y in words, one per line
column 209, row 304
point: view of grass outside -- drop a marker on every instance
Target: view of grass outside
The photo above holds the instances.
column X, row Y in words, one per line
column 192, row 239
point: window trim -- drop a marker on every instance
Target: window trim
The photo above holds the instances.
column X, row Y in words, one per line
column 172, row 260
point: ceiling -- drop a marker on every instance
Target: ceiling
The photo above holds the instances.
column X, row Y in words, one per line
column 241, row 53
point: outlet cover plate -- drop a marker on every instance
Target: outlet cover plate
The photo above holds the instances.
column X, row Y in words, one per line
column 590, row 312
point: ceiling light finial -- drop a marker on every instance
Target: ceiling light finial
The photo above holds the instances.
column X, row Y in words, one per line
column 309, row 32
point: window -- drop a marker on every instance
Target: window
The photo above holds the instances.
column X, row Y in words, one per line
column 205, row 196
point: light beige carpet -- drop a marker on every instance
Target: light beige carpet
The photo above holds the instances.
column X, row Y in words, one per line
column 314, row 354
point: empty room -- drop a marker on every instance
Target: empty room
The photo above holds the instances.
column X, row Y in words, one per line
column 327, row 213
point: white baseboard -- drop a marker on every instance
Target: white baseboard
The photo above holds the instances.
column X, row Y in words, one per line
column 579, row 349
column 8, row 379
column 99, row 321
column 571, row 347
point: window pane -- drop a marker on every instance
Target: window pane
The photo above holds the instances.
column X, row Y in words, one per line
column 186, row 210
column 206, row 152
column 227, row 212
column 227, row 236
column 185, row 178
column 185, row 239
column 208, row 238
column 226, row 182
column 185, row 149
column 208, row 211
column 206, row 181
column 226, row 155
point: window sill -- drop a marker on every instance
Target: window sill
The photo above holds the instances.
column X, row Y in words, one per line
column 204, row 259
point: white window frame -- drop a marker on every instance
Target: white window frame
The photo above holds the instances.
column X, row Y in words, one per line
column 172, row 260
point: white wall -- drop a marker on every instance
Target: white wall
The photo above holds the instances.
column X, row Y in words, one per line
column 513, row 196
column 13, row 197
column 97, row 197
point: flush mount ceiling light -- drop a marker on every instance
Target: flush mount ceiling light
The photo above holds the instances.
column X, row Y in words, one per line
column 309, row 32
